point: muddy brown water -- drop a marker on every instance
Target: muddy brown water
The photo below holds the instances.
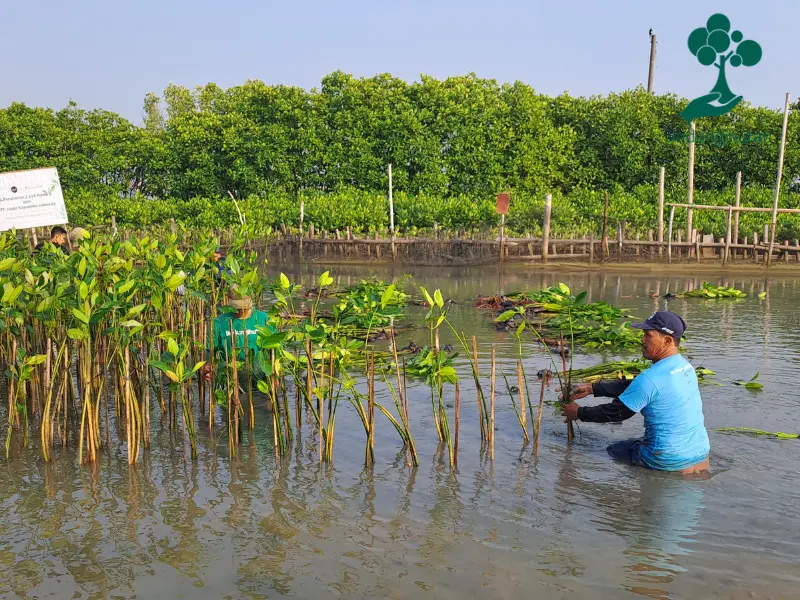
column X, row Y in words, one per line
column 572, row 524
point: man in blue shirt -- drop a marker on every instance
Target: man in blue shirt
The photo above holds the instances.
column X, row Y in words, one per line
column 667, row 395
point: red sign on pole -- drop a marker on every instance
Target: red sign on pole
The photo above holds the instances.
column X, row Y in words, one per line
column 501, row 208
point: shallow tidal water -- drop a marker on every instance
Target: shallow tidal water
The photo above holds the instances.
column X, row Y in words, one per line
column 568, row 524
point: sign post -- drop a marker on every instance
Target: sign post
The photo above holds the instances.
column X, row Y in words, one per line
column 31, row 199
column 501, row 208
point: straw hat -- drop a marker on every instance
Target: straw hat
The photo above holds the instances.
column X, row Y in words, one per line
column 78, row 234
column 239, row 302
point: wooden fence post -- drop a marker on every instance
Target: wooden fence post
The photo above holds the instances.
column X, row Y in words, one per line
column 690, row 186
column 391, row 214
column 660, row 209
column 591, row 247
column 669, row 234
column 696, row 235
column 725, row 256
column 604, row 235
column 302, row 214
column 755, row 246
column 737, row 202
column 778, row 180
column 502, row 237
column 548, row 207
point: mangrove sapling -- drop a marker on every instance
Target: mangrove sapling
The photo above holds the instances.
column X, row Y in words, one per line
column 511, row 391
column 523, row 386
column 370, row 451
column 173, row 365
column 21, row 371
column 402, row 407
column 400, row 426
column 441, row 373
column 472, row 355
column 564, row 375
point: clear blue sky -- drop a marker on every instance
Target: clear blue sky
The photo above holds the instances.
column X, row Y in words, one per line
column 110, row 53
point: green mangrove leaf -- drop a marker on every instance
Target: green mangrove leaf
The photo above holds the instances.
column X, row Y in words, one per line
column 428, row 298
column 136, row 310
column 507, row 315
column 125, row 287
column 387, row 295
column 437, row 297
column 175, row 281
column 35, row 360
column 7, row 263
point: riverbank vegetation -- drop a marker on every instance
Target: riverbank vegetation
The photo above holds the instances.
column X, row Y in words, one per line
column 453, row 144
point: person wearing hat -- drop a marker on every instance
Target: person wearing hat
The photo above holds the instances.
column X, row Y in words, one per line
column 78, row 234
column 668, row 396
column 245, row 319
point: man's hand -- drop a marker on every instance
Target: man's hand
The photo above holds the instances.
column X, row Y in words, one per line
column 578, row 391
column 206, row 371
column 570, row 412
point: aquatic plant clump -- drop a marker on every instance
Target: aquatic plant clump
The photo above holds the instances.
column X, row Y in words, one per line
column 713, row 292
column 548, row 312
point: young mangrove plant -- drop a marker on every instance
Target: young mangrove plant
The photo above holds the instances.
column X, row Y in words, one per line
column 440, row 373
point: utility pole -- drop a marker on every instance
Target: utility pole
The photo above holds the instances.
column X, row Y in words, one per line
column 604, row 235
column 690, row 186
column 652, row 71
column 778, row 182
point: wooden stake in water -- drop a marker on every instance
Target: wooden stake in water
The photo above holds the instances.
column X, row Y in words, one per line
column 521, row 385
column 538, row 425
column 297, row 409
column 481, row 415
column 566, row 388
column 458, row 408
column 491, row 420
column 370, row 458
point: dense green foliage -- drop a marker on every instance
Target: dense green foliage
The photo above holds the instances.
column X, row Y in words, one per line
column 453, row 145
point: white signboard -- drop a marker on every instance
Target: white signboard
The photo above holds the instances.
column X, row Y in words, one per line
column 31, row 199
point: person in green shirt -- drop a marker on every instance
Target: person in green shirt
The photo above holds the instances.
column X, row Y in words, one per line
column 245, row 319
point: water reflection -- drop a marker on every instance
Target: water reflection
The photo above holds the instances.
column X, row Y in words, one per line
column 569, row 524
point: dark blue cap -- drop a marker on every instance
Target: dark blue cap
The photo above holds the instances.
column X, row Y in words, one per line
column 665, row 322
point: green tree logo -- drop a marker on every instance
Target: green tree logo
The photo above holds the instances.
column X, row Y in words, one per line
column 715, row 44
